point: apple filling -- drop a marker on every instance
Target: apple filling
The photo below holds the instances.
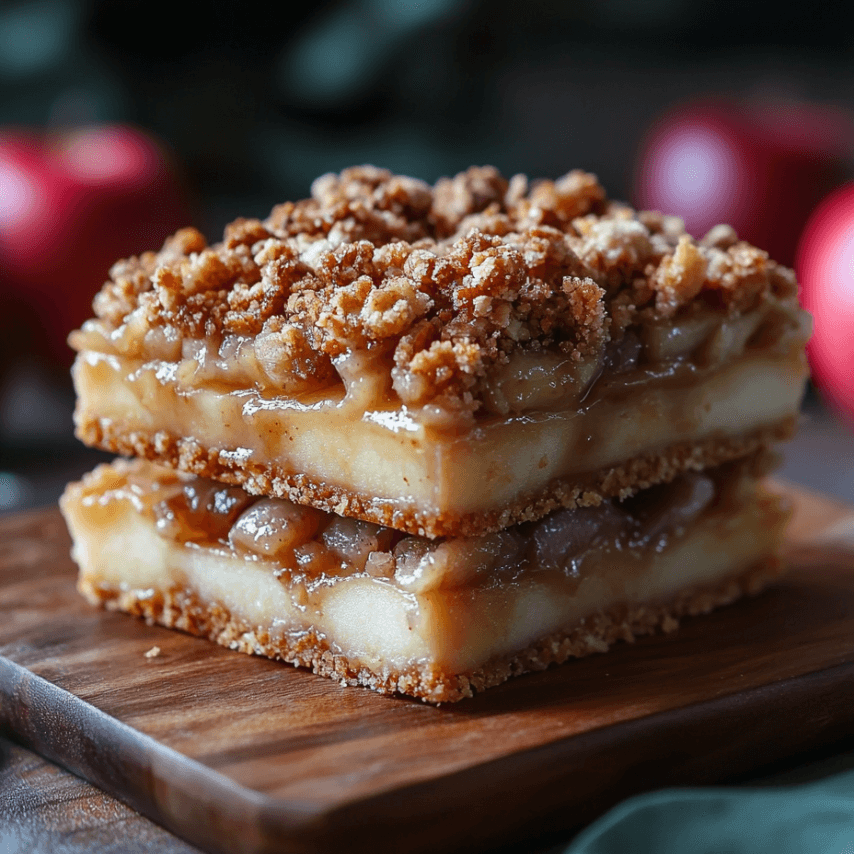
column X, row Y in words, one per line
column 528, row 380
column 433, row 618
column 359, row 452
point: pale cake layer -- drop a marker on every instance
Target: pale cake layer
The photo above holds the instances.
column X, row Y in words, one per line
column 182, row 609
column 399, row 613
column 388, row 467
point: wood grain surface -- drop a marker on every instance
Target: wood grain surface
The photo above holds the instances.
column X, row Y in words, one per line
column 235, row 753
column 44, row 810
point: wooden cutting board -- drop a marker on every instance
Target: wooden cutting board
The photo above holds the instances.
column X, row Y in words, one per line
column 237, row 753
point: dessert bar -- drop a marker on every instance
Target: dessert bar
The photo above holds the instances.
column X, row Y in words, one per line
column 423, row 438
column 436, row 619
column 445, row 360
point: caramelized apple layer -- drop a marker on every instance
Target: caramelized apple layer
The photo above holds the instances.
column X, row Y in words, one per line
column 391, row 465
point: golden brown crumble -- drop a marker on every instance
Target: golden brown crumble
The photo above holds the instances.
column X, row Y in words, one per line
column 449, row 279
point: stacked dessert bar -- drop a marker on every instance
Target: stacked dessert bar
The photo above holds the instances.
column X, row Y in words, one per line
column 424, row 438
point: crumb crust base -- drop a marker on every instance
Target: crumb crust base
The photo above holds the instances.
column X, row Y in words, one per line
column 619, row 481
column 180, row 608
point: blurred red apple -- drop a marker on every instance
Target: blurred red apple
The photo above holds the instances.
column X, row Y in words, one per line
column 71, row 204
column 825, row 267
column 759, row 168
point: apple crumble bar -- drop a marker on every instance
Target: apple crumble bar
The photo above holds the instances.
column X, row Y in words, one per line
column 423, row 438
column 436, row 619
column 446, row 360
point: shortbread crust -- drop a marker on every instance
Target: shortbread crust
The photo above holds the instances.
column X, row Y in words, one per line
column 439, row 636
column 182, row 609
column 448, row 360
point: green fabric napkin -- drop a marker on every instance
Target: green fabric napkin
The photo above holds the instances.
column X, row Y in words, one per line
column 815, row 818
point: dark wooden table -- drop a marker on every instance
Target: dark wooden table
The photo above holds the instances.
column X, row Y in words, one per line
column 46, row 810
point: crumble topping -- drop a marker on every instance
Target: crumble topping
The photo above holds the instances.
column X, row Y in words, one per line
column 448, row 280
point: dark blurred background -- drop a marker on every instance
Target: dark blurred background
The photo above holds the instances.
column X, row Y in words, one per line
column 245, row 105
